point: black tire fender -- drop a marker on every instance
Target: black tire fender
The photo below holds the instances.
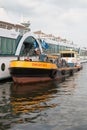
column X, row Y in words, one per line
column 63, row 72
column 53, row 74
column 71, row 72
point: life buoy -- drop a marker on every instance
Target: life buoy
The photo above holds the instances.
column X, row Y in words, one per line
column 53, row 74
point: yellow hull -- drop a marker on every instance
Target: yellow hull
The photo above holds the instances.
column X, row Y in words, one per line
column 29, row 71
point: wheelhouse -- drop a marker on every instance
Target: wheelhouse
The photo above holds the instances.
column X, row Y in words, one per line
column 71, row 57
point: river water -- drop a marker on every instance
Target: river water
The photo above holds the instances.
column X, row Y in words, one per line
column 45, row 106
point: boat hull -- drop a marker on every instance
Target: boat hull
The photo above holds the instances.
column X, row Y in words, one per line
column 30, row 79
column 25, row 75
column 26, row 72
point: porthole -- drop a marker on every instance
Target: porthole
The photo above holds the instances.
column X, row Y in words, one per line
column 3, row 67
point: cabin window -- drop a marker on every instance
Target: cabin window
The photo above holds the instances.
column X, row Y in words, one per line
column 29, row 46
column 7, row 46
column 0, row 45
column 55, row 49
column 52, row 48
column 67, row 55
column 49, row 47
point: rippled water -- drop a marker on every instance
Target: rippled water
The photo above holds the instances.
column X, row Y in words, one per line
column 45, row 106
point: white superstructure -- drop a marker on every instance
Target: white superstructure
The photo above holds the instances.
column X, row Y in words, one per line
column 7, row 37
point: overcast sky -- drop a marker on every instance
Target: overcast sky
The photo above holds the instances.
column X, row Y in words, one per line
column 64, row 18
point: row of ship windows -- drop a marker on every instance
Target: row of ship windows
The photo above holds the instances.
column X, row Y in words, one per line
column 8, row 46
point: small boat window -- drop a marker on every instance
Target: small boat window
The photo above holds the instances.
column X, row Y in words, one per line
column 67, row 55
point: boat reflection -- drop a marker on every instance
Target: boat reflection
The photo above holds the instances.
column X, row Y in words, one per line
column 32, row 98
column 26, row 103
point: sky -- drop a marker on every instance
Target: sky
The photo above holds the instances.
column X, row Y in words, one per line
column 64, row 18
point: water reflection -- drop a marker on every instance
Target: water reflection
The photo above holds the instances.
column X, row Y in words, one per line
column 24, row 103
column 5, row 107
column 51, row 104
column 31, row 98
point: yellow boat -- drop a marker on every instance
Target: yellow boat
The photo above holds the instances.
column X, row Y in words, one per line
column 27, row 71
column 32, row 71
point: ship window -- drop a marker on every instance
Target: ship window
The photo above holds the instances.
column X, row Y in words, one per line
column 67, row 55
column 3, row 45
column 29, row 46
column 7, row 46
column 52, row 49
column 0, row 44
